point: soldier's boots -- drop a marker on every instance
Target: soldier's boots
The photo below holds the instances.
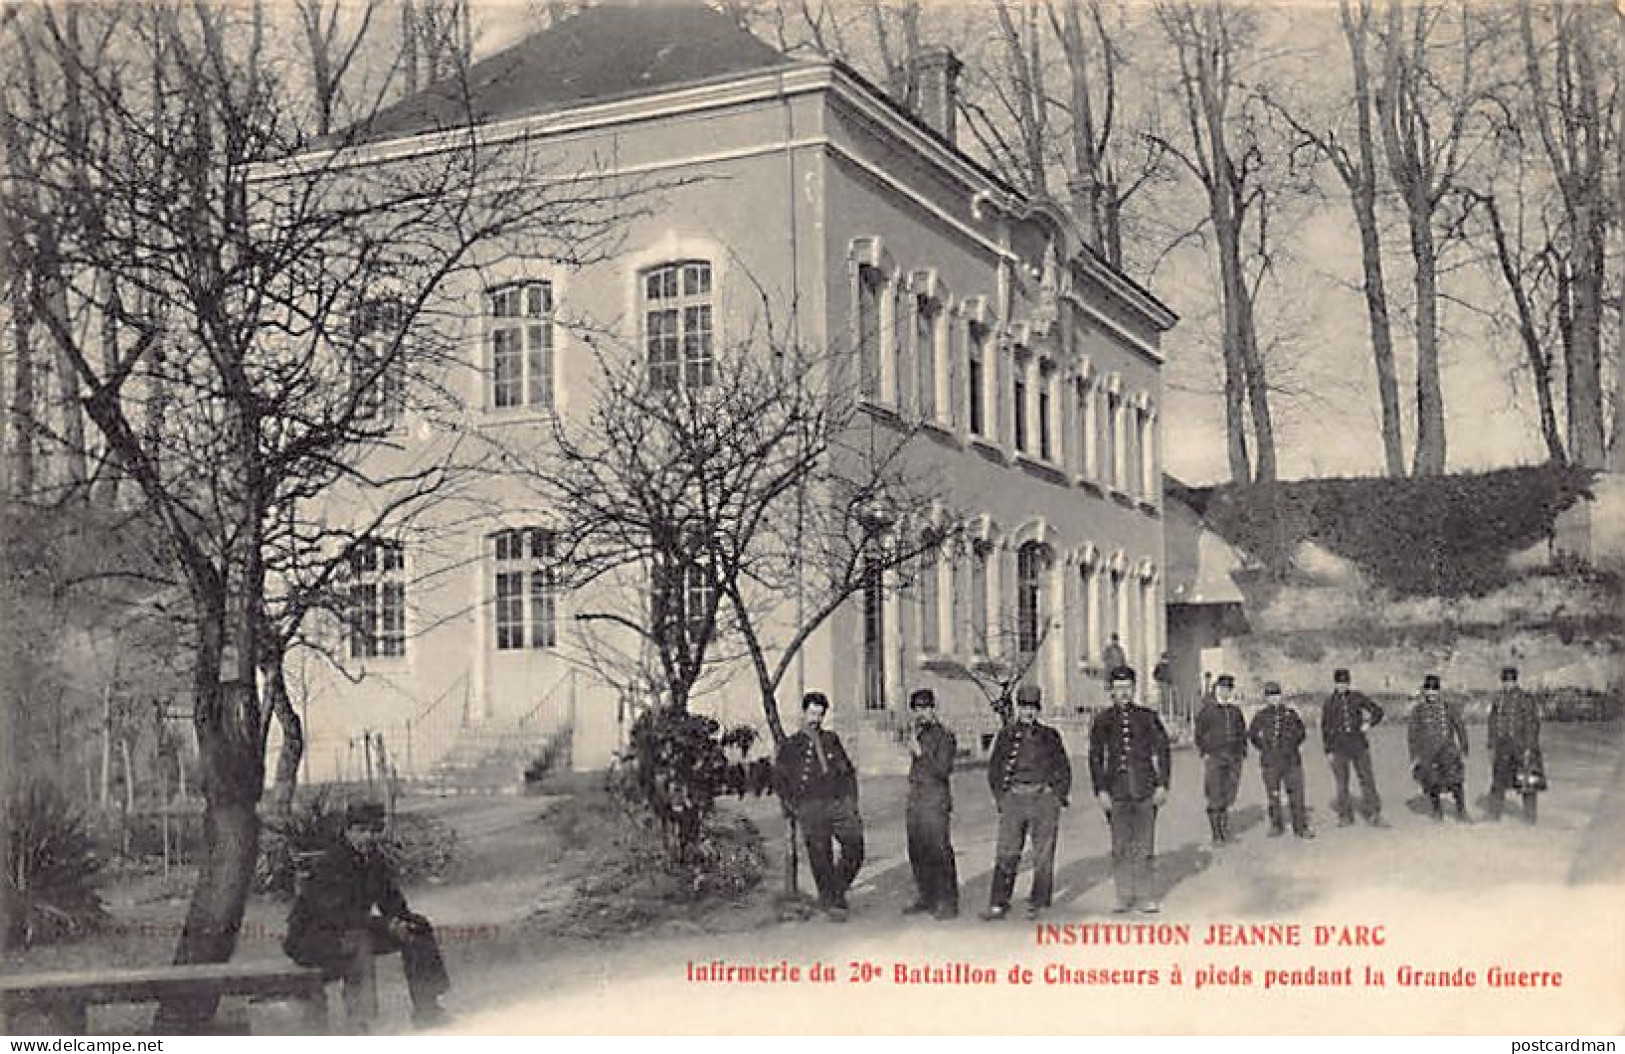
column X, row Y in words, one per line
column 1435, row 807
column 1529, row 808
column 1461, row 805
column 1224, row 825
column 1277, row 823
column 1215, row 823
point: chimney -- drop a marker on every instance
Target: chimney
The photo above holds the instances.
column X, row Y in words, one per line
column 936, row 89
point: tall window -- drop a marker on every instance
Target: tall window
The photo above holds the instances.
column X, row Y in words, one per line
column 1044, row 448
column 874, row 635
column 1032, row 560
column 930, row 610
column 927, row 313
column 378, row 364
column 377, row 613
column 869, row 290
column 520, row 327
column 526, row 589
column 683, row 599
column 975, row 378
column 978, row 598
column 677, row 325
column 1019, row 416
column 1109, row 450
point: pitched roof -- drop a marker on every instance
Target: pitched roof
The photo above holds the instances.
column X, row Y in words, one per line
column 611, row 51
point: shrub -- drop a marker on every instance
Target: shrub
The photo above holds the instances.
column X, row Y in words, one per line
column 51, row 873
column 420, row 847
column 556, row 751
column 677, row 764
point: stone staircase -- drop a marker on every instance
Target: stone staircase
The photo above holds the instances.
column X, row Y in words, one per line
column 489, row 759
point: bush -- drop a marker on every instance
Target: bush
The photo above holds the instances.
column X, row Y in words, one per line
column 420, row 847
column 556, row 751
column 51, row 873
column 677, row 764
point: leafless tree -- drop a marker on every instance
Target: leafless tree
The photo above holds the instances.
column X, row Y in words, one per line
column 1223, row 147
column 289, row 309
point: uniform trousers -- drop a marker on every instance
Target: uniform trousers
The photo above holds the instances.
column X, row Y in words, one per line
column 1020, row 815
column 825, row 823
column 1360, row 760
column 1287, row 774
column 425, row 969
column 1134, row 841
column 930, row 848
column 1220, row 779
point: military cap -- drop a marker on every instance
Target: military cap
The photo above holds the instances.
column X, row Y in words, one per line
column 921, row 699
column 1509, row 673
column 1272, row 688
column 369, row 814
column 1430, row 683
column 1029, row 695
column 1340, row 676
column 1122, row 673
column 812, row 699
column 1225, row 680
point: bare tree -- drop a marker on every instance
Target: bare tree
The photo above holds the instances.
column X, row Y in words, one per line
column 1565, row 51
column 1224, row 150
column 1430, row 110
column 1357, row 170
column 289, row 311
column 325, row 25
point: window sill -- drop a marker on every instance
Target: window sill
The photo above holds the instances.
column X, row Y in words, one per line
column 943, row 433
column 1150, row 508
column 1122, row 498
column 884, row 411
column 1089, row 484
column 517, row 415
column 1044, row 469
column 988, row 449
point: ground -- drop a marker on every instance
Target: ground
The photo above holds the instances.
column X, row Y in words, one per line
column 1446, row 896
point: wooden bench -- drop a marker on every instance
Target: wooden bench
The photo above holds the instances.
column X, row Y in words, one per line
column 64, row 998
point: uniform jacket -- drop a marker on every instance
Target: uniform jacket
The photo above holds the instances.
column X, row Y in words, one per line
column 930, row 769
column 1435, row 727
column 1343, row 721
column 799, row 776
column 1128, row 753
column 1221, row 730
column 1514, row 723
column 1001, row 765
column 335, row 898
column 1277, row 732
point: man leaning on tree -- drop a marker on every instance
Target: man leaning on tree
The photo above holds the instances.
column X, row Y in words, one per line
column 819, row 785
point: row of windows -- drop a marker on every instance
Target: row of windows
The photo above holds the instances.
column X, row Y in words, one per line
column 678, row 337
column 524, row 590
column 1038, row 615
column 946, row 374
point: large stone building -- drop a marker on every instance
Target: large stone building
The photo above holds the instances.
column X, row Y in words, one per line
column 1029, row 367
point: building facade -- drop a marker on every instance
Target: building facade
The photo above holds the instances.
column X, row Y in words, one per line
column 1026, row 369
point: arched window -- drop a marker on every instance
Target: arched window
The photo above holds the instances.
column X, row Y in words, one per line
column 1032, row 564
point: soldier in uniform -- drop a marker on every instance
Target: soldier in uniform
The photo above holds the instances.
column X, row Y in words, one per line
column 1031, row 778
column 1438, row 744
column 1221, row 740
column 1278, row 733
column 1514, row 745
column 819, row 785
column 332, row 925
column 929, row 809
column 1343, row 721
column 1129, row 767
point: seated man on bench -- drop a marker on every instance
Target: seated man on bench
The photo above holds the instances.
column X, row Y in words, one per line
column 333, row 927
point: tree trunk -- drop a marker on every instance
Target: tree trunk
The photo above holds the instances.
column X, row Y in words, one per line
column 1618, row 441
column 1585, row 349
column 1430, row 445
column 24, row 400
column 1361, row 180
column 1233, row 290
column 285, row 782
column 69, row 410
column 1540, row 363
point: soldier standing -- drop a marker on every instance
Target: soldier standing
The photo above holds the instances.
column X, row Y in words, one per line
column 1514, row 742
column 1221, row 740
column 819, row 785
column 1278, row 733
column 929, row 809
column 332, row 925
column 1438, row 743
column 1343, row 721
column 1030, row 777
column 1129, row 766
